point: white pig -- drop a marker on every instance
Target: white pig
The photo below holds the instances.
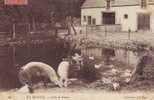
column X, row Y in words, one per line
column 33, row 70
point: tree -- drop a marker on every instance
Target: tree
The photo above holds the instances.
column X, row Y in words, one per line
column 41, row 10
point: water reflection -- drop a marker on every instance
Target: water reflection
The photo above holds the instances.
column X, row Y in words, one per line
column 13, row 56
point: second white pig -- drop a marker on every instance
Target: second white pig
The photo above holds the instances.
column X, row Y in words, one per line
column 63, row 70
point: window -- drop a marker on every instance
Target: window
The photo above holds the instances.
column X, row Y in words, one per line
column 143, row 21
column 94, row 21
column 108, row 18
column 108, row 4
column 143, row 3
column 84, row 18
column 89, row 20
column 126, row 16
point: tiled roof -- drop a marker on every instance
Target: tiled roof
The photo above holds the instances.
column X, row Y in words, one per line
column 102, row 3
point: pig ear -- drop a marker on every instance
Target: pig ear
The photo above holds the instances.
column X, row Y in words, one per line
column 18, row 67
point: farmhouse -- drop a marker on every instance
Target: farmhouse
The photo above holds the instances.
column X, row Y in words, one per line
column 122, row 15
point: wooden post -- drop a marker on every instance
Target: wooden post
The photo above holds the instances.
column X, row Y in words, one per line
column 86, row 32
column 86, row 40
column 86, row 37
column 28, row 40
column 129, row 31
column 14, row 31
column 68, row 25
column 105, row 31
column 34, row 25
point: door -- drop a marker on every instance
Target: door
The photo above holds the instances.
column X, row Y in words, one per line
column 143, row 21
column 108, row 18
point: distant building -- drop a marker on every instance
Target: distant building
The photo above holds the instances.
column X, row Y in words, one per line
column 134, row 15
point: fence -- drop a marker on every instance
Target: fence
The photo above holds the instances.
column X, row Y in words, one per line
column 92, row 52
column 26, row 29
column 105, row 28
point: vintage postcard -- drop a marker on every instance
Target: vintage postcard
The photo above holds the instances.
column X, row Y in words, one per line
column 77, row 49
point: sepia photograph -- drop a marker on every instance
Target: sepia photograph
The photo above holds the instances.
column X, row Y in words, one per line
column 77, row 49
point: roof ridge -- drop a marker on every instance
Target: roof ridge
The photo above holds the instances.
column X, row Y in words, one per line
column 102, row 3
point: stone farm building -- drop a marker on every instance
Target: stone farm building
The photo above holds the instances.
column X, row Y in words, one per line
column 119, row 15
